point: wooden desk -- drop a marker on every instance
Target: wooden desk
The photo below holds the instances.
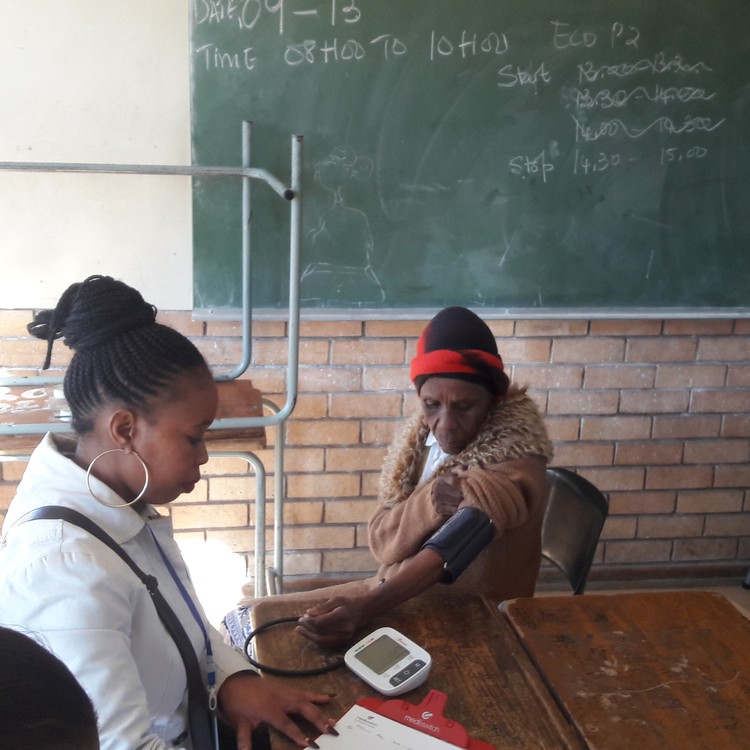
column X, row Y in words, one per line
column 491, row 686
column 643, row 671
column 35, row 406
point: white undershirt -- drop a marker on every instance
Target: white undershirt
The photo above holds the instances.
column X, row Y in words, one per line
column 435, row 458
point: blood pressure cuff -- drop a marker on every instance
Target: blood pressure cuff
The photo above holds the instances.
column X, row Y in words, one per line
column 460, row 539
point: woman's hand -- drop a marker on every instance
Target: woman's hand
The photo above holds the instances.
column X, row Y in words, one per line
column 333, row 622
column 447, row 494
column 247, row 700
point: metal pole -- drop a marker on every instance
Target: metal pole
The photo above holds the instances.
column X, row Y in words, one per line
column 247, row 265
column 260, row 514
column 154, row 169
column 295, row 242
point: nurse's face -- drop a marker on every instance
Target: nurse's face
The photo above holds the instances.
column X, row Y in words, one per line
column 171, row 439
column 454, row 410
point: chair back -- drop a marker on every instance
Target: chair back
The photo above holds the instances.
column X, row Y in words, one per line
column 575, row 514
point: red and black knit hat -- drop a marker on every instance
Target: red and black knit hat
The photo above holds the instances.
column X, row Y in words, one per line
column 457, row 343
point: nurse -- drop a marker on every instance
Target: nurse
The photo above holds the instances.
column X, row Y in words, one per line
column 142, row 398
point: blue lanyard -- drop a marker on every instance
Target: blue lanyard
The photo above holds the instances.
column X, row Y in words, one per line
column 211, row 667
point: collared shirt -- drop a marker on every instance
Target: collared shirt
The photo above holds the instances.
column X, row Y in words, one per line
column 434, row 459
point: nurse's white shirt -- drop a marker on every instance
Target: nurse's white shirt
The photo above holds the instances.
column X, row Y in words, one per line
column 89, row 608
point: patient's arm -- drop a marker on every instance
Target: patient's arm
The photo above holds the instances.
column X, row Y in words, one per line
column 443, row 557
column 336, row 621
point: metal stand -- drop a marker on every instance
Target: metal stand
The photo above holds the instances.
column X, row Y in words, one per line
column 291, row 193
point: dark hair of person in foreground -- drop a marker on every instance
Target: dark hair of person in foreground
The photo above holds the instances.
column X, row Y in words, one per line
column 42, row 706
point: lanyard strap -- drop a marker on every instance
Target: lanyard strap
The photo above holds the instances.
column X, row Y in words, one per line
column 201, row 729
column 196, row 616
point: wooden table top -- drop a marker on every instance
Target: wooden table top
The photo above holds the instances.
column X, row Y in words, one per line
column 643, row 671
column 36, row 405
column 492, row 688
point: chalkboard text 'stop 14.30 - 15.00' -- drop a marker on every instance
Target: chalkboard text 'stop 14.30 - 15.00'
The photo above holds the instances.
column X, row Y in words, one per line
column 549, row 154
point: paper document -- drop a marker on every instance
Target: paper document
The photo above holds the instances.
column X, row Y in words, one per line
column 363, row 729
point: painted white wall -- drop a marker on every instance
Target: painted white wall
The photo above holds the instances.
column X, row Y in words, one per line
column 97, row 82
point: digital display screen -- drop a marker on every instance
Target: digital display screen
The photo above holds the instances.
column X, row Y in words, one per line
column 382, row 654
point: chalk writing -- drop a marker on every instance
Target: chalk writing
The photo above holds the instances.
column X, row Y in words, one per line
column 335, row 50
column 214, row 58
column 648, row 81
column 583, row 164
column 349, row 11
column 677, row 154
column 664, row 95
column 612, row 128
column 562, row 38
column 624, row 34
column 246, row 14
column 524, row 166
column 565, row 37
column 392, row 46
column 659, row 64
column 468, row 45
column 342, row 244
column 513, row 75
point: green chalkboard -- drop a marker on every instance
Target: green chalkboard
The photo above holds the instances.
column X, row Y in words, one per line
column 543, row 154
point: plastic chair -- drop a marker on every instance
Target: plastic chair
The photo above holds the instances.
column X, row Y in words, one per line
column 573, row 521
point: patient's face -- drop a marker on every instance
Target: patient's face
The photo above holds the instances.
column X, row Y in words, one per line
column 454, row 410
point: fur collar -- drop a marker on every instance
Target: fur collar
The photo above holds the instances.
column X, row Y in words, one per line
column 514, row 429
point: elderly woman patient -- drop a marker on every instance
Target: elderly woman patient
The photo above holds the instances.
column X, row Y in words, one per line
column 462, row 492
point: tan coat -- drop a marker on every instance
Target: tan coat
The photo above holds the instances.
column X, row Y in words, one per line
column 506, row 480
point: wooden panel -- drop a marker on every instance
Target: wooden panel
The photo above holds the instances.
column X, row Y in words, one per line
column 39, row 406
column 21, row 405
column 645, row 671
column 238, row 399
column 478, row 662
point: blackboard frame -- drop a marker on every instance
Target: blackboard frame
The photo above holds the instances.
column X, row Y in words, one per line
column 230, row 314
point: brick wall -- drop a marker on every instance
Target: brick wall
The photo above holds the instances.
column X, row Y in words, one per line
column 654, row 412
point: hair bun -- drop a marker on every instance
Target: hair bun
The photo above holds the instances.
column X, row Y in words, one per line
column 40, row 326
column 93, row 312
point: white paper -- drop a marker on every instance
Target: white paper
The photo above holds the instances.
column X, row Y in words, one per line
column 363, row 729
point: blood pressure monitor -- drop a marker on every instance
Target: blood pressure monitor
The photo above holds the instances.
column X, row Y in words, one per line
column 389, row 662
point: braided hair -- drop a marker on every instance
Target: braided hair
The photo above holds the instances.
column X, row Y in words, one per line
column 121, row 352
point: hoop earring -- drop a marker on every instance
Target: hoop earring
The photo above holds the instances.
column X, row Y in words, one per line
column 118, row 505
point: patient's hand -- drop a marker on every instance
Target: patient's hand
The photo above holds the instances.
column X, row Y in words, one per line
column 333, row 622
column 447, row 493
